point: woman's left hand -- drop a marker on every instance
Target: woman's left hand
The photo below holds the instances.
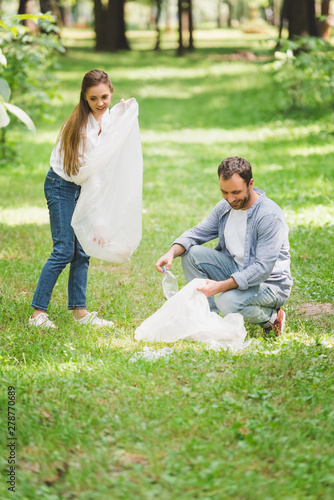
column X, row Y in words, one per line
column 100, row 236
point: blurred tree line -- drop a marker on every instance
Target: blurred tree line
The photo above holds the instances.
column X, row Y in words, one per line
column 30, row 44
column 301, row 17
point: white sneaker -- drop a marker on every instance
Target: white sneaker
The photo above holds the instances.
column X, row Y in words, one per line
column 92, row 319
column 41, row 320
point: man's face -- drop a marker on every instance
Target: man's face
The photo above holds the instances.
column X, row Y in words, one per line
column 236, row 192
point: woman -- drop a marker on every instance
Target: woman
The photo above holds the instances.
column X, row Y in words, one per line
column 78, row 136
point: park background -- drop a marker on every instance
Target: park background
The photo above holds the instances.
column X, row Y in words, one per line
column 90, row 423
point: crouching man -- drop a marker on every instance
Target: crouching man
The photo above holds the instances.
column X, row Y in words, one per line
column 250, row 267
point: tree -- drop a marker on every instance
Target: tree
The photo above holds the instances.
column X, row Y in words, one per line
column 229, row 16
column 53, row 6
column 110, row 25
column 324, row 27
column 157, row 20
column 185, row 25
column 301, row 18
column 25, row 7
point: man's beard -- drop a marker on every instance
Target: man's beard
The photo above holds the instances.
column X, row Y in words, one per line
column 242, row 203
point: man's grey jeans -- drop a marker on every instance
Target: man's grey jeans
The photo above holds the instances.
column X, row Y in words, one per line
column 257, row 304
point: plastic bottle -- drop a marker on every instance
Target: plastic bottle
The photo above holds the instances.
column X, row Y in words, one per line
column 169, row 284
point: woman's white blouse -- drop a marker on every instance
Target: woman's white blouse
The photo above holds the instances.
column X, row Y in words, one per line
column 93, row 137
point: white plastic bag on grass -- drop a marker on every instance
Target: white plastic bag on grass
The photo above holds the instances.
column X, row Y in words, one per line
column 187, row 315
column 108, row 217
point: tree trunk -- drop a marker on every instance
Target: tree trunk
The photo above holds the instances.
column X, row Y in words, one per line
column 185, row 24
column 53, row 7
column 26, row 7
column 110, row 26
column 122, row 42
column 300, row 15
column 23, row 7
column 313, row 29
column 219, row 17
column 100, row 42
column 180, row 49
column 157, row 20
column 191, row 25
column 65, row 13
column 229, row 16
column 323, row 26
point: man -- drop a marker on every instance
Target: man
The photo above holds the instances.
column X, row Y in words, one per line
column 250, row 267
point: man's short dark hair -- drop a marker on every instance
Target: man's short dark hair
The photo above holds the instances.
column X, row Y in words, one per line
column 235, row 165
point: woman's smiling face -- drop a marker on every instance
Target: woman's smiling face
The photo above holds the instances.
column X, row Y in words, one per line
column 99, row 98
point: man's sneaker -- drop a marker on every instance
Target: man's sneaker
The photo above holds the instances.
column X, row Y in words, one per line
column 278, row 326
column 92, row 319
column 42, row 321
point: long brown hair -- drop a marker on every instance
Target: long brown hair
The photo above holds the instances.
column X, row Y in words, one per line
column 73, row 130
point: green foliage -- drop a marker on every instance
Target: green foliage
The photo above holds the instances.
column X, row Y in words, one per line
column 6, row 106
column 304, row 69
column 28, row 61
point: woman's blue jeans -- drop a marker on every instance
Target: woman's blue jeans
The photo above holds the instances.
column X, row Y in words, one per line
column 62, row 197
column 257, row 304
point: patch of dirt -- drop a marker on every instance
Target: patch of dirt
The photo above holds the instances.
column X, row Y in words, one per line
column 241, row 55
column 315, row 308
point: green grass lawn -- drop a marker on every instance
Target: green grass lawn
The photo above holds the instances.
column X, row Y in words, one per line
column 91, row 424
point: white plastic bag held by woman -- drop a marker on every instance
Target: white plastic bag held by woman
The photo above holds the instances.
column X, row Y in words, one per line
column 187, row 315
column 108, row 217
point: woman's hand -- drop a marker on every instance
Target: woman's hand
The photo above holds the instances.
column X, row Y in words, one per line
column 100, row 236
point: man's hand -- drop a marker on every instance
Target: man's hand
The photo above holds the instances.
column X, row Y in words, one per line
column 213, row 287
column 167, row 259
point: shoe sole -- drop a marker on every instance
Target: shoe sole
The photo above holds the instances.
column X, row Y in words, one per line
column 283, row 323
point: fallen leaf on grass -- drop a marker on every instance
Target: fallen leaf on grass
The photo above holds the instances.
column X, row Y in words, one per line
column 244, row 431
column 60, row 471
column 126, row 458
column 47, row 415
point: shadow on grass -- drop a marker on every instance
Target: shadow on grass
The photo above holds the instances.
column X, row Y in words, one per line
column 147, row 74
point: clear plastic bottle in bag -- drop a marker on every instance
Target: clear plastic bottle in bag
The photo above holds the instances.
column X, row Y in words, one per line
column 169, row 284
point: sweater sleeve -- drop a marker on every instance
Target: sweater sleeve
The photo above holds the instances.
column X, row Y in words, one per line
column 206, row 230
